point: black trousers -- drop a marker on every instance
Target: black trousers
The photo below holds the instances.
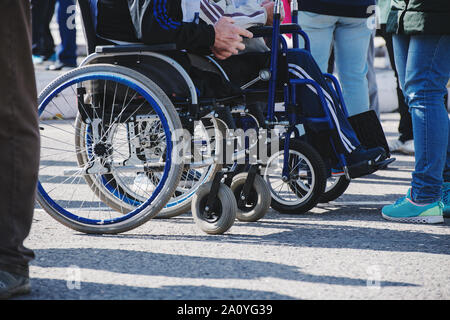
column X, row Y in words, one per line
column 41, row 15
column 19, row 135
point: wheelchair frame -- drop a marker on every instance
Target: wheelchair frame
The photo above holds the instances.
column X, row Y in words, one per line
column 194, row 108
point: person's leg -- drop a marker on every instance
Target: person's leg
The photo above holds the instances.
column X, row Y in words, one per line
column 351, row 43
column 447, row 161
column 427, row 73
column 371, row 77
column 424, row 70
column 48, row 43
column 320, row 29
column 302, row 65
column 42, row 40
column 446, row 184
column 404, row 142
column 242, row 68
column 19, row 139
column 67, row 50
column 405, row 124
column 37, row 22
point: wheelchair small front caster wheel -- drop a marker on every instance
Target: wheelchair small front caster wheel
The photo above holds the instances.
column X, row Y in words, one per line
column 220, row 217
column 258, row 200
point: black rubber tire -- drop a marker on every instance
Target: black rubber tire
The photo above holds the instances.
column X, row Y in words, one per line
column 175, row 170
column 320, row 177
column 227, row 212
column 335, row 191
column 261, row 193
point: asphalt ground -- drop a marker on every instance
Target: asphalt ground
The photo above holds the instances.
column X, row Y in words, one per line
column 340, row 250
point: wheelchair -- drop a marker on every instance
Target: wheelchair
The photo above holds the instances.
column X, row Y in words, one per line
column 126, row 137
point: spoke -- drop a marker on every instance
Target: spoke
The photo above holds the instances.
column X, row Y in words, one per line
column 73, row 176
column 57, row 128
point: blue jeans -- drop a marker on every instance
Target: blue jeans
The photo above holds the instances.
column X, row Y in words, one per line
column 423, row 66
column 351, row 38
column 67, row 51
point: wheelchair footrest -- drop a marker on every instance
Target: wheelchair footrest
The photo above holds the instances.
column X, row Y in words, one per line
column 368, row 167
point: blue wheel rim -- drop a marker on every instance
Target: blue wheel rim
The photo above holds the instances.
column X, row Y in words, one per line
column 63, row 212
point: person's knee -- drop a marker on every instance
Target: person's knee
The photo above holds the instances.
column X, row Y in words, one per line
column 422, row 95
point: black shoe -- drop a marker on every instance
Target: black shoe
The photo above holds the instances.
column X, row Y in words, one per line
column 60, row 65
column 362, row 154
column 13, row 285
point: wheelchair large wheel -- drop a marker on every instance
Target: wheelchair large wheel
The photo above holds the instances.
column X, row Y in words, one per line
column 334, row 189
column 300, row 191
column 101, row 124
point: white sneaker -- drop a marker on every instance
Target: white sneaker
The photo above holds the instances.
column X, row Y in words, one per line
column 142, row 184
column 406, row 147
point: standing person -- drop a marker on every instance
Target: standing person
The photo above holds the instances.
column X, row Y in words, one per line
column 421, row 46
column 19, row 145
column 404, row 144
column 343, row 24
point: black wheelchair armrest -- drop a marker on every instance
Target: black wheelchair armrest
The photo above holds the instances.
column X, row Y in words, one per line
column 135, row 48
column 292, row 28
column 266, row 31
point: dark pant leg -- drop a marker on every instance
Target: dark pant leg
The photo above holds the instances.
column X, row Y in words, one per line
column 19, row 135
column 36, row 20
column 243, row 68
column 303, row 65
column 47, row 36
column 41, row 15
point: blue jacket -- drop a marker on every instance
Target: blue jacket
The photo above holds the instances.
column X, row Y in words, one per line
column 341, row 8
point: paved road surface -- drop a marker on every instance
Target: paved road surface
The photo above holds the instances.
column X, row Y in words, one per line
column 340, row 250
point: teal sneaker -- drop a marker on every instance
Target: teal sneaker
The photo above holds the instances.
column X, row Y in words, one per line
column 37, row 59
column 446, row 199
column 405, row 210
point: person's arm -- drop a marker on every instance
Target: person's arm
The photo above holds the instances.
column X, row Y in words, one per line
column 156, row 26
column 247, row 15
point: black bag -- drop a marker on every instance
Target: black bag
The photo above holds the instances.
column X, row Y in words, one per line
column 369, row 131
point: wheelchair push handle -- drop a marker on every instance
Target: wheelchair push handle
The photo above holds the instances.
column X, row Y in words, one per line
column 288, row 28
column 265, row 31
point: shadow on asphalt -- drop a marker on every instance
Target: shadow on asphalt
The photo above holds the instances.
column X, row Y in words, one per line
column 58, row 289
column 177, row 266
column 301, row 231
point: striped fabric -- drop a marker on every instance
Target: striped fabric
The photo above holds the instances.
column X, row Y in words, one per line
column 161, row 16
column 249, row 13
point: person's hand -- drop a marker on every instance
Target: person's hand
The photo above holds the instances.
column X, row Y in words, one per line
column 228, row 40
column 269, row 5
